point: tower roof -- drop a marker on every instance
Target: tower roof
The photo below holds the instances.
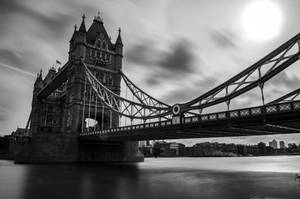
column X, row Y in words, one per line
column 96, row 29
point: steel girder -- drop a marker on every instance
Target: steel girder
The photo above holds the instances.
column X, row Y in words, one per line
column 254, row 76
column 288, row 97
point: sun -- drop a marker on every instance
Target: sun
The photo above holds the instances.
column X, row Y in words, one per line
column 261, row 20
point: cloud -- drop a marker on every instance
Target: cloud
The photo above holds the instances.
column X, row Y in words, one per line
column 142, row 53
column 152, row 81
column 223, row 39
column 282, row 79
column 3, row 113
column 190, row 90
column 8, row 6
column 10, row 57
column 163, row 65
column 17, row 69
column 179, row 59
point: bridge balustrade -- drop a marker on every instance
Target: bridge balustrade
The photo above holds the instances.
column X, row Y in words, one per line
column 227, row 115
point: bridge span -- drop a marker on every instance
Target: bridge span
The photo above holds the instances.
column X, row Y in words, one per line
column 282, row 118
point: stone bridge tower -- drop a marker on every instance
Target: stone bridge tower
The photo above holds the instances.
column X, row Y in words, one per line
column 58, row 117
column 104, row 60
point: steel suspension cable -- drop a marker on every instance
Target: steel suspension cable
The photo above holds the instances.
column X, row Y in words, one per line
column 90, row 107
column 96, row 104
column 83, row 109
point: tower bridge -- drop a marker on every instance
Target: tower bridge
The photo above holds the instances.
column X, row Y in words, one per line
column 88, row 87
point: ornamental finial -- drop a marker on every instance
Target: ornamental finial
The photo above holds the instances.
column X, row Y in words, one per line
column 98, row 18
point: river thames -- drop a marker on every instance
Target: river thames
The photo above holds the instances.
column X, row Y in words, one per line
column 237, row 177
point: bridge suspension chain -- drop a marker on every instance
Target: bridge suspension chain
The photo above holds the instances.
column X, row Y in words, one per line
column 142, row 96
column 125, row 107
column 268, row 67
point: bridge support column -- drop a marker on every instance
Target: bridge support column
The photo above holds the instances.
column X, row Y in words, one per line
column 109, row 152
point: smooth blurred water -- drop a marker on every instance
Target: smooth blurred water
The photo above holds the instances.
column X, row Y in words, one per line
column 242, row 177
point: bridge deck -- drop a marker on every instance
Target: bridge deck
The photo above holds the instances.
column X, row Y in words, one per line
column 283, row 118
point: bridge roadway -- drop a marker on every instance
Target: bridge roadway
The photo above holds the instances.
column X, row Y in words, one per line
column 283, row 118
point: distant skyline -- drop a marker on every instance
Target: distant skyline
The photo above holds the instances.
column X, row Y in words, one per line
column 180, row 49
column 212, row 141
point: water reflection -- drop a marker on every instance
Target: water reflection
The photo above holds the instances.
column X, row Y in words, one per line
column 153, row 179
column 80, row 181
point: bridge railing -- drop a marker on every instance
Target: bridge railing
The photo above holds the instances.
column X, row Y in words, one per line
column 226, row 115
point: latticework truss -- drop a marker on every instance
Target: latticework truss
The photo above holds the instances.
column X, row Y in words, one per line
column 147, row 107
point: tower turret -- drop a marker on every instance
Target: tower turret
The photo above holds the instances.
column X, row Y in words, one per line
column 78, row 41
column 119, row 51
column 38, row 84
column 119, row 44
column 73, row 39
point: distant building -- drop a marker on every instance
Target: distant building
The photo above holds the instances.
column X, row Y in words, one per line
column 273, row 144
column 172, row 149
column 281, row 144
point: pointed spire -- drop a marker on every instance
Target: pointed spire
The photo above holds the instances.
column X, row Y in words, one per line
column 74, row 33
column 82, row 26
column 40, row 75
column 119, row 39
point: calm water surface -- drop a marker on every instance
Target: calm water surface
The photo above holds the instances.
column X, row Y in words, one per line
column 245, row 177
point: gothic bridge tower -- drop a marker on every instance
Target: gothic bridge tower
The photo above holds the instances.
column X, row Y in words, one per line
column 60, row 114
column 104, row 60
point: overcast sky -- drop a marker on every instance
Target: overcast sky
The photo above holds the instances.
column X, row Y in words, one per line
column 180, row 49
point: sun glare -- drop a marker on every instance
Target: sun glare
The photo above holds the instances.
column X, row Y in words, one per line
column 262, row 20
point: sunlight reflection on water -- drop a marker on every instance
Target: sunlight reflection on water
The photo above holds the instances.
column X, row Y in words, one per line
column 290, row 164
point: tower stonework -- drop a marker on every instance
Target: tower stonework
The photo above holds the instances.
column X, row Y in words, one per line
column 58, row 118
